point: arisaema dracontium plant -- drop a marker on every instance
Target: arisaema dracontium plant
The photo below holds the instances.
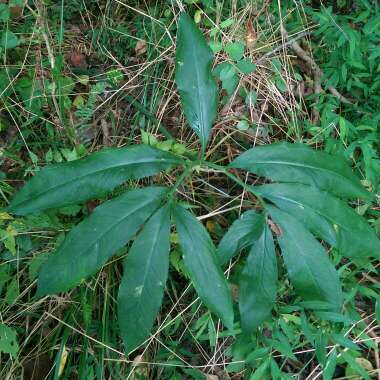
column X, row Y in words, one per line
column 306, row 200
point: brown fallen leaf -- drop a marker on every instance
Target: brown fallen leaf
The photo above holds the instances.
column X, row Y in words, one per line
column 140, row 47
column 234, row 292
column 275, row 228
column 78, row 59
column 250, row 35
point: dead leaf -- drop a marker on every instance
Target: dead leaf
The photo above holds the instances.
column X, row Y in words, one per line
column 78, row 59
column 62, row 361
column 250, row 35
column 210, row 225
column 140, row 48
column 16, row 11
column 234, row 292
column 275, row 228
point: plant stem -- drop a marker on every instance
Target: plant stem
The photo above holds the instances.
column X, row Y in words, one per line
column 188, row 169
column 234, row 178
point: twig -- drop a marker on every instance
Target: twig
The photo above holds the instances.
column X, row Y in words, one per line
column 315, row 69
column 280, row 47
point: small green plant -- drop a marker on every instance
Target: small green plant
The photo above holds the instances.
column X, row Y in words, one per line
column 306, row 201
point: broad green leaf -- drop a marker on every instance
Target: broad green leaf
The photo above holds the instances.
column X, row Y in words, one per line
column 299, row 163
column 199, row 255
column 235, row 50
column 258, row 283
column 144, row 279
column 246, row 66
column 77, row 181
column 355, row 238
column 92, row 242
column 242, row 233
column 308, row 265
column 195, row 82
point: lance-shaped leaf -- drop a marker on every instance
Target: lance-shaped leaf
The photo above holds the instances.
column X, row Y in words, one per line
column 310, row 270
column 92, row 242
column 242, row 233
column 199, row 255
column 258, row 283
column 354, row 237
column 299, row 163
column 144, row 279
column 195, row 82
column 77, row 181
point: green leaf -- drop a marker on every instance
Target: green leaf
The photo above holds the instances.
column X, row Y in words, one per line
column 195, row 82
column 8, row 40
column 309, row 268
column 77, row 181
column 243, row 125
column 235, row 50
column 246, row 66
column 242, row 233
column 8, row 340
column 201, row 262
column 299, row 163
column 144, row 279
column 329, row 370
column 258, row 283
column 354, row 366
column 92, row 242
column 355, row 238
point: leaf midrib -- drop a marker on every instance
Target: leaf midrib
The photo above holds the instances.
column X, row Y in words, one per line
column 201, row 126
column 90, row 174
column 317, row 211
column 306, row 166
column 147, row 267
column 303, row 256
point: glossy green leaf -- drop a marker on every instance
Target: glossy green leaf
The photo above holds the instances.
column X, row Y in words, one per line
column 92, row 242
column 199, row 255
column 300, row 163
column 242, row 233
column 258, row 283
column 144, row 279
column 195, row 82
column 308, row 265
column 77, row 181
column 355, row 238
